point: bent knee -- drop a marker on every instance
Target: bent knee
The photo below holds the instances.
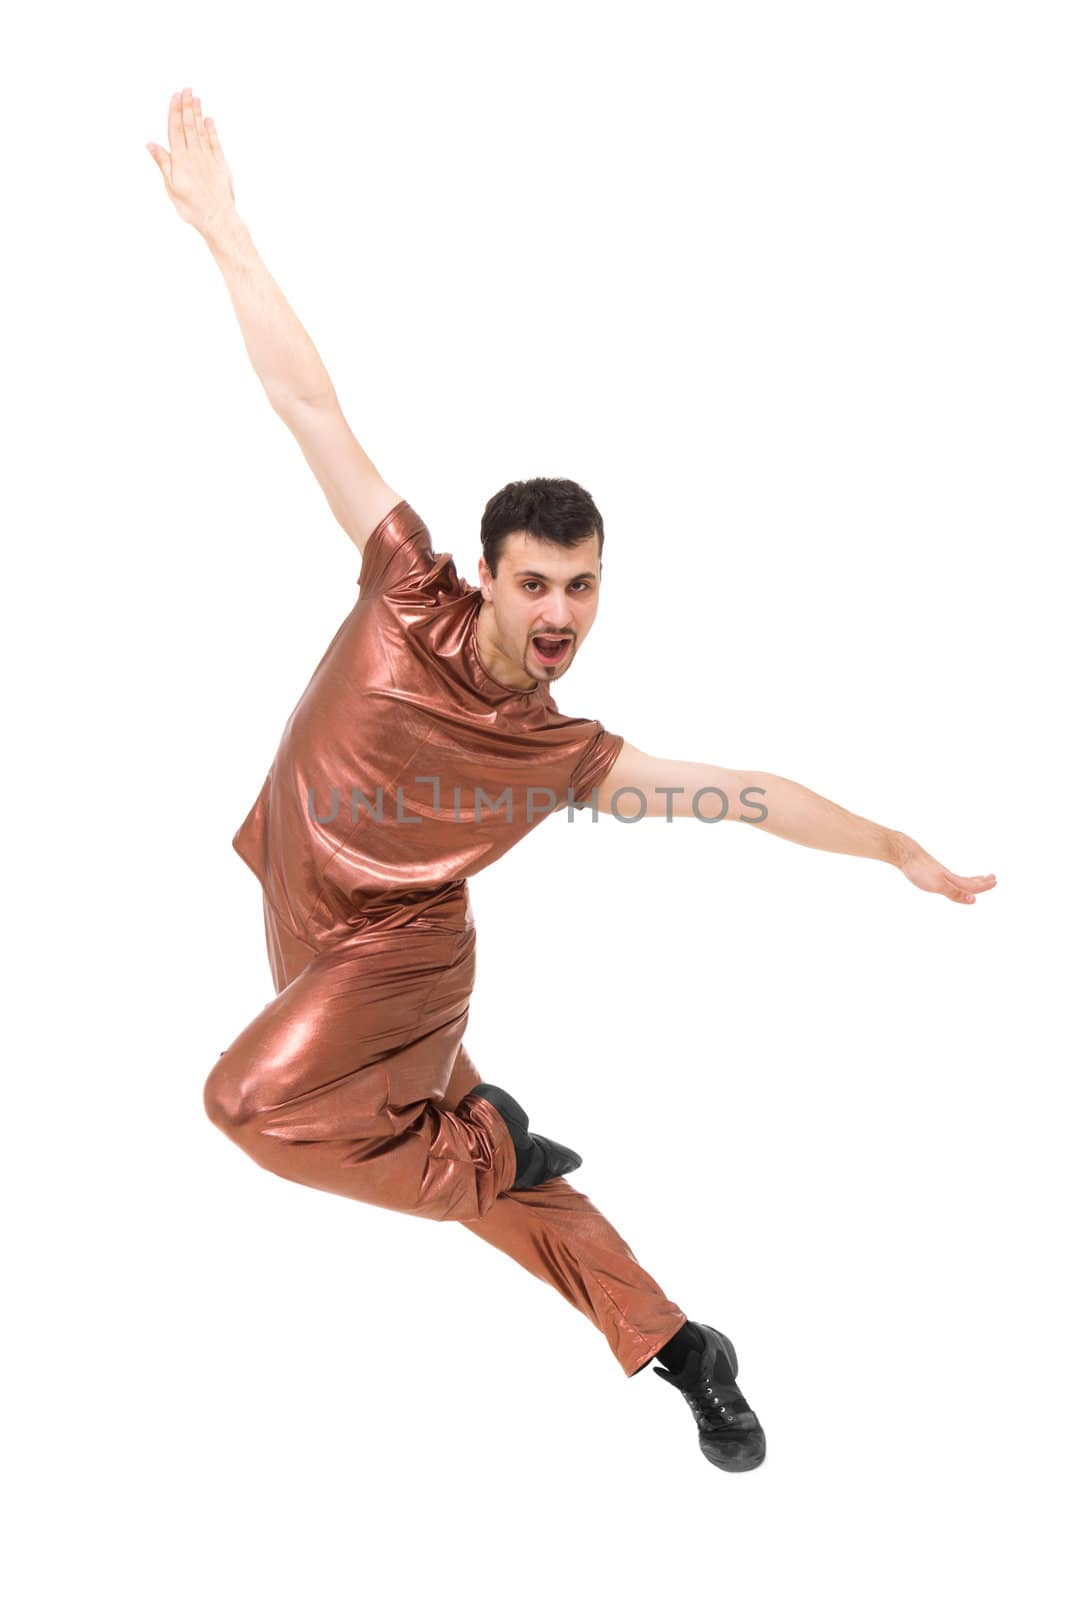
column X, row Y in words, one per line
column 224, row 1100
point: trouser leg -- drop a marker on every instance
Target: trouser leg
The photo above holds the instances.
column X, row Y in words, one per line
column 557, row 1233
column 554, row 1231
column 339, row 1082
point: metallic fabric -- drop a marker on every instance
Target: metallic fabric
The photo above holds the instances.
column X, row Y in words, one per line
column 405, row 768
column 354, row 1078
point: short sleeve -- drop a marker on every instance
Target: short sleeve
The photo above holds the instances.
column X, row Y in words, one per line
column 599, row 757
column 398, row 554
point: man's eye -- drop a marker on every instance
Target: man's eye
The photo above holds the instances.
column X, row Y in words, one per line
column 532, row 583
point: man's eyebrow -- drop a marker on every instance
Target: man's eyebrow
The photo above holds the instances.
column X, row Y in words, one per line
column 528, row 572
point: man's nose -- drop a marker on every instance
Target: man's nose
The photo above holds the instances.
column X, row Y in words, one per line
column 557, row 618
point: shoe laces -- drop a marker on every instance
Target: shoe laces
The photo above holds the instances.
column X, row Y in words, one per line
column 715, row 1404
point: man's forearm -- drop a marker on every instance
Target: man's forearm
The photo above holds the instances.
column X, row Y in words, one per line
column 286, row 361
column 639, row 785
column 804, row 817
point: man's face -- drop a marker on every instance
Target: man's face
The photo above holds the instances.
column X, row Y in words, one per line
column 544, row 599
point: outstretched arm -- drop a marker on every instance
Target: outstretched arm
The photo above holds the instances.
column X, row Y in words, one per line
column 641, row 785
column 289, row 367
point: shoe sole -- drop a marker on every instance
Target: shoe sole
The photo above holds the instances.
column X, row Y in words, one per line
column 562, row 1160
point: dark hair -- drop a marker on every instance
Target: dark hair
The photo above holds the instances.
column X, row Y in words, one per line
column 545, row 508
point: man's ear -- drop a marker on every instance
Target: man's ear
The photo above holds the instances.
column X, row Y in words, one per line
column 485, row 578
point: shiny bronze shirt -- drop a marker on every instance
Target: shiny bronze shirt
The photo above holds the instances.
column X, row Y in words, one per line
column 405, row 767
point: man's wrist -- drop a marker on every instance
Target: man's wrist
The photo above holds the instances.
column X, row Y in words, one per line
column 224, row 234
column 897, row 847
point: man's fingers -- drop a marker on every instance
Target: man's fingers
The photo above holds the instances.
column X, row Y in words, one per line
column 161, row 159
column 175, row 134
column 985, row 880
column 199, row 120
column 188, row 120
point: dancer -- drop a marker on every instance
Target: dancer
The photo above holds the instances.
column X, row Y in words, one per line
column 425, row 745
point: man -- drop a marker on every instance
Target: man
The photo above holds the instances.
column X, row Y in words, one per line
column 425, row 745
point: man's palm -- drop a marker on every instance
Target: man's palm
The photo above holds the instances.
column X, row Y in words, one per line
column 194, row 169
column 925, row 873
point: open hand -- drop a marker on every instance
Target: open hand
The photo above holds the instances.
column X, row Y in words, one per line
column 194, row 168
column 925, row 873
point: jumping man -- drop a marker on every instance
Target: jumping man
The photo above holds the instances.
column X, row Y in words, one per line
column 426, row 744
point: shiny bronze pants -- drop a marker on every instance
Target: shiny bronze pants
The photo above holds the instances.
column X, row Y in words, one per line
column 353, row 1080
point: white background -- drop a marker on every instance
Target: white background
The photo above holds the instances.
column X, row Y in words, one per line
column 782, row 286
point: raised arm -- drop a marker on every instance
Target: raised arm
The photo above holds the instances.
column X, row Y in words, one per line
column 289, row 367
column 640, row 785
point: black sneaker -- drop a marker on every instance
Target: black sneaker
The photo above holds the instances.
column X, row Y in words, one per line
column 730, row 1433
column 537, row 1158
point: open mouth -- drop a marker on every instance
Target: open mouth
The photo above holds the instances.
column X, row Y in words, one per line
column 548, row 649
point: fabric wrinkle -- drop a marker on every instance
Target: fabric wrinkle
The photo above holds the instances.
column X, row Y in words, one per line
column 355, row 1078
